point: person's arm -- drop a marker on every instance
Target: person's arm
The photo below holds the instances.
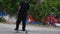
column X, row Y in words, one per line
column 28, row 11
column 19, row 8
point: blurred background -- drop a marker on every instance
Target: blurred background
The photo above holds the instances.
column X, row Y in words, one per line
column 42, row 12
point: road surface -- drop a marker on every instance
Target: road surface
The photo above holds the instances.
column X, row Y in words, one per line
column 9, row 29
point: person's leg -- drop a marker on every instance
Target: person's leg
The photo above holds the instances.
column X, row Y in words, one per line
column 23, row 23
column 18, row 22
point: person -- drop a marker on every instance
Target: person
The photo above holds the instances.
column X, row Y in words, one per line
column 30, row 19
column 51, row 19
column 22, row 14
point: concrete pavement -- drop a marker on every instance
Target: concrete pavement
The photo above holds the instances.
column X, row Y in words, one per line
column 9, row 29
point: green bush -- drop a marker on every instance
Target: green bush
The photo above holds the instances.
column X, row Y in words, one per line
column 44, row 9
column 2, row 20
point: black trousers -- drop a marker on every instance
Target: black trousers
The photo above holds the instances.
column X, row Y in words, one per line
column 19, row 19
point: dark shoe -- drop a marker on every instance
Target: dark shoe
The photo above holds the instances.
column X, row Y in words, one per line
column 15, row 29
column 23, row 30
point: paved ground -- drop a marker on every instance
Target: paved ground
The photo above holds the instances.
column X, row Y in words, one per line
column 9, row 29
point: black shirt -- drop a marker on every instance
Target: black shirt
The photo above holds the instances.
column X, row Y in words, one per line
column 24, row 8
